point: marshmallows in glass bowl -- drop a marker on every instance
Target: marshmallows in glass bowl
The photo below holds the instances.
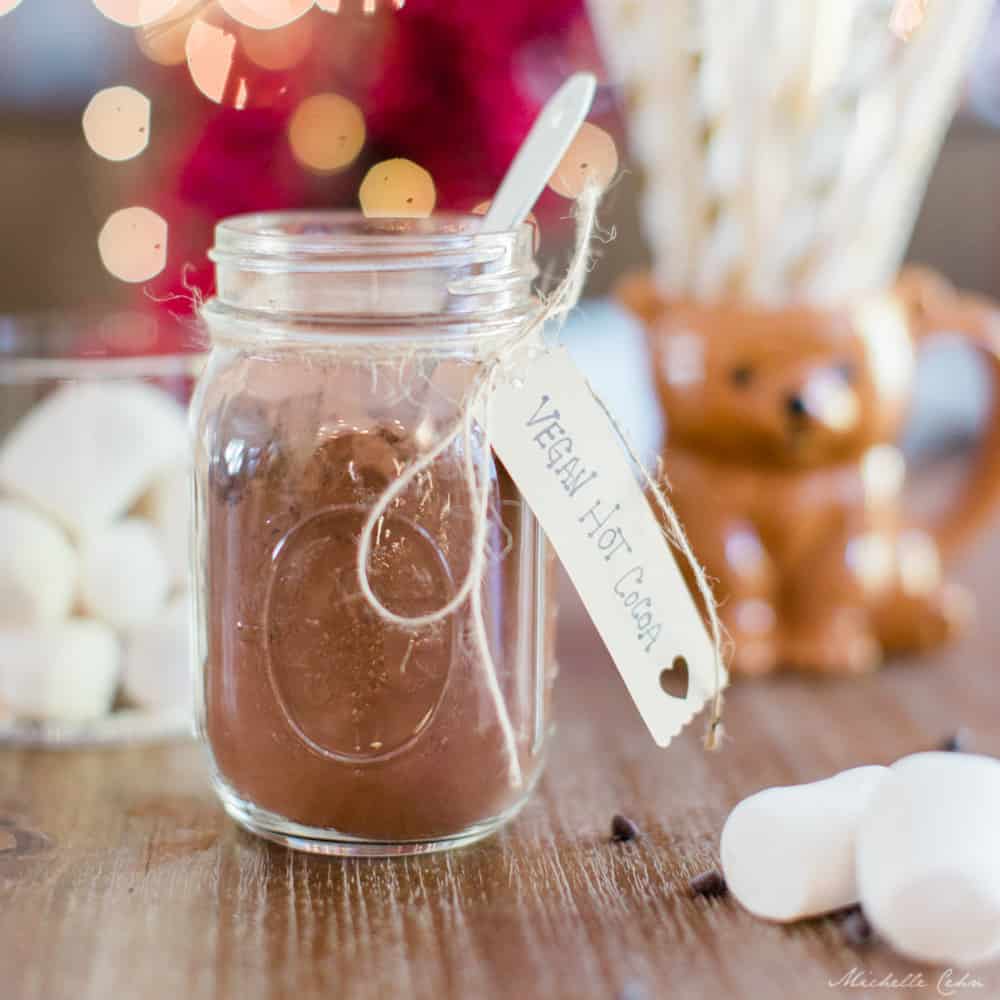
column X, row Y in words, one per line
column 95, row 635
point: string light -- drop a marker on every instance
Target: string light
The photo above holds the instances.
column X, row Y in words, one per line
column 116, row 123
column 210, row 51
column 591, row 159
column 367, row 6
column 133, row 244
column 397, row 189
column 163, row 41
column 326, row 132
column 135, row 13
column 265, row 15
column 280, row 49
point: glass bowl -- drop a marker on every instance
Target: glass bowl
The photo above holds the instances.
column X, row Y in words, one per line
column 94, row 508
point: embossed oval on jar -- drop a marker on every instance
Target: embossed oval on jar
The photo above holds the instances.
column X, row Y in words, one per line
column 350, row 685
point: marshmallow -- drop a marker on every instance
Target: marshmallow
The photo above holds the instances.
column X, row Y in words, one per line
column 124, row 577
column 168, row 506
column 928, row 864
column 788, row 853
column 38, row 567
column 157, row 670
column 59, row 671
column 88, row 451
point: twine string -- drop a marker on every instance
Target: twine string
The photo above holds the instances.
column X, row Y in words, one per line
column 478, row 480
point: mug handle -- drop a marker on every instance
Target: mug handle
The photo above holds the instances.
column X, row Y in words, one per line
column 936, row 306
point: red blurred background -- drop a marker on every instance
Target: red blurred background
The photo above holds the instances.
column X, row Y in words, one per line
column 452, row 86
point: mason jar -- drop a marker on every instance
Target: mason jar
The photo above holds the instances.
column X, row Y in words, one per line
column 346, row 351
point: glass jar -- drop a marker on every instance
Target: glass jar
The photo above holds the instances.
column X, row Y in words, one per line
column 343, row 349
column 94, row 523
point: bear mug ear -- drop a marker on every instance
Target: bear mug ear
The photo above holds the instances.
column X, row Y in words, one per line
column 934, row 305
column 925, row 294
column 640, row 296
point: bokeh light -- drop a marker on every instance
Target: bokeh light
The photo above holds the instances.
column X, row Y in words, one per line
column 367, row 6
column 133, row 13
column 397, row 189
column 591, row 159
column 6, row 6
column 116, row 123
column 163, row 40
column 210, row 51
column 326, row 132
column 278, row 49
column 265, row 14
column 133, row 244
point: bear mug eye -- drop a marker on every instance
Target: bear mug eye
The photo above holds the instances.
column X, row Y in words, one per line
column 848, row 371
column 741, row 376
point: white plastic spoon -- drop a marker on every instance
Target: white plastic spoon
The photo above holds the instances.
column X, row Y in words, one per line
column 540, row 153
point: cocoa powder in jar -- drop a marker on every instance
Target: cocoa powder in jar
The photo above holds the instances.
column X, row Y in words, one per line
column 316, row 710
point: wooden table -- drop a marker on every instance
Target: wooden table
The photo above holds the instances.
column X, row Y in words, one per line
column 121, row 878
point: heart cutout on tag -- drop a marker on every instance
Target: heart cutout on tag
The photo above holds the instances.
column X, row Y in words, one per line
column 674, row 679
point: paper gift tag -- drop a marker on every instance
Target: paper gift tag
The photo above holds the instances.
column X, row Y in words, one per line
column 566, row 458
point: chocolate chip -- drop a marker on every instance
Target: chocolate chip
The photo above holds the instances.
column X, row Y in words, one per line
column 711, row 883
column 855, row 928
column 623, row 829
column 958, row 742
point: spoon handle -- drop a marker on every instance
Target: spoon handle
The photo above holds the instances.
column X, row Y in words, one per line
column 550, row 136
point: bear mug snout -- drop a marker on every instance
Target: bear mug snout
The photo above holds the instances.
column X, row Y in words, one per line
column 795, row 407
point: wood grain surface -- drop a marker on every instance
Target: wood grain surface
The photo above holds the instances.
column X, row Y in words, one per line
column 120, row 876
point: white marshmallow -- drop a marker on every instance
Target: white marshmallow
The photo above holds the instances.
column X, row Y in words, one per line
column 124, row 577
column 788, row 852
column 38, row 567
column 88, row 451
column 157, row 670
column 928, row 861
column 59, row 671
column 168, row 506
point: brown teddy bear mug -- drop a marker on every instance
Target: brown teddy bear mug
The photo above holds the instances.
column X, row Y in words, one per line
column 782, row 464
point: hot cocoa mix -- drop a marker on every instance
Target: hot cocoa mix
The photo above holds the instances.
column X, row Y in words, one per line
column 318, row 711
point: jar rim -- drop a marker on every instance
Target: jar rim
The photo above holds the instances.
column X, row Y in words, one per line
column 346, row 240
column 307, row 275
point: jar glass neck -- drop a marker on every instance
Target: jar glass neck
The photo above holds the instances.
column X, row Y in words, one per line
column 343, row 274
